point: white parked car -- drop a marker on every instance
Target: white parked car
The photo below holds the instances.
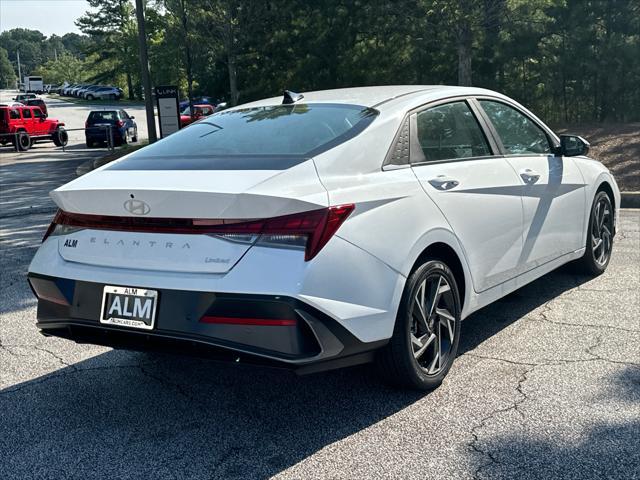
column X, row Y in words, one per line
column 324, row 230
column 103, row 93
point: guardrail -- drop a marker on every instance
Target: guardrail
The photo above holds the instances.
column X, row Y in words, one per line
column 108, row 134
column 16, row 138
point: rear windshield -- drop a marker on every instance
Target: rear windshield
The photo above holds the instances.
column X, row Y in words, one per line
column 103, row 117
column 272, row 137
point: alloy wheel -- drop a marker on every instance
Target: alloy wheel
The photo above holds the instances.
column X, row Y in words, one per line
column 601, row 228
column 433, row 325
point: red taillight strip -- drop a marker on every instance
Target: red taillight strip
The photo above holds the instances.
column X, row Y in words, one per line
column 157, row 225
column 319, row 225
column 272, row 322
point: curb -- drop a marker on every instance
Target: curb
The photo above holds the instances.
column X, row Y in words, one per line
column 630, row 200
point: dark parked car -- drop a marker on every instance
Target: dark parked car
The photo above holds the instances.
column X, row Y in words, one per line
column 37, row 102
column 101, row 124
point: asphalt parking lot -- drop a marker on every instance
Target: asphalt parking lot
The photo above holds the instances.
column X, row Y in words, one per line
column 73, row 114
column 547, row 385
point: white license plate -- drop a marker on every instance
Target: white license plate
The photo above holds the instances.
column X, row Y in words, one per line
column 129, row 307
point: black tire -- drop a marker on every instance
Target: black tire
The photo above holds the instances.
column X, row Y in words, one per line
column 24, row 142
column 401, row 362
column 60, row 137
column 90, row 97
column 599, row 236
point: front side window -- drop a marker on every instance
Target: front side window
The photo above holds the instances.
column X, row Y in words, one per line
column 519, row 134
column 449, row 132
column 37, row 113
column 269, row 137
column 14, row 114
column 26, row 113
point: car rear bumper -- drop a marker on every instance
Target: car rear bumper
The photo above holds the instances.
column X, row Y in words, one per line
column 102, row 135
column 309, row 340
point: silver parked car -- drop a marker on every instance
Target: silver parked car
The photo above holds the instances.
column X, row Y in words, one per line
column 104, row 93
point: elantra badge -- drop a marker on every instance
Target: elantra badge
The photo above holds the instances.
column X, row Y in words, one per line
column 137, row 207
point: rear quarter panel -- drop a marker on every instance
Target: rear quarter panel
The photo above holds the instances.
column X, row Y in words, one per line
column 394, row 220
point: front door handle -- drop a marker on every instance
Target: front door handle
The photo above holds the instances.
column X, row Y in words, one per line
column 529, row 176
column 442, row 182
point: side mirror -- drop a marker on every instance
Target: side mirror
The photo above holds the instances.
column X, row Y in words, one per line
column 573, row 146
column 220, row 106
column 131, row 117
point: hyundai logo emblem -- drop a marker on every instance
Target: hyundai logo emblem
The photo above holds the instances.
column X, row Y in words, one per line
column 137, row 207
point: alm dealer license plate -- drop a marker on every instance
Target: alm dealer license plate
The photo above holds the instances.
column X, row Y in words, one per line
column 129, row 307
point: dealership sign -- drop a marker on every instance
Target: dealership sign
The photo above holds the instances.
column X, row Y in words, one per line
column 168, row 111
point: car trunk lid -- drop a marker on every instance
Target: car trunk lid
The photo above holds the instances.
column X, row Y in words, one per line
column 138, row 200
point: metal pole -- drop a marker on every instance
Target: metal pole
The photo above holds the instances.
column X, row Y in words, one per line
column 144, row 70
column 111, row 142
column 19, row 70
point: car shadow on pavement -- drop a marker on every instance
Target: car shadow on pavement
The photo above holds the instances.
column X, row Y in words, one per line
column 127, row 414
column 134, row 415
column 493, row 318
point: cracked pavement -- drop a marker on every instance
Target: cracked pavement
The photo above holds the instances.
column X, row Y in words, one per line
column 547, row 385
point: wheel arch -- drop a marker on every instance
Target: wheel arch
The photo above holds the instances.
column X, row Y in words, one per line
column 606, row 187
column 442, row 250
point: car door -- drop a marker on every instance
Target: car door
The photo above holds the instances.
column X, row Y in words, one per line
column 40, row 126
column 476, row 190
column 552, row 187
column 27, row 120
column 128, row 123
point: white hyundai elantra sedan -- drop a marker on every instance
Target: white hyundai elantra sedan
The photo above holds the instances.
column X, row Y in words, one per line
column 322, row 230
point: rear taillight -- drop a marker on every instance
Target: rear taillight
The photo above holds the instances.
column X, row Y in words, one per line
column 309, row 230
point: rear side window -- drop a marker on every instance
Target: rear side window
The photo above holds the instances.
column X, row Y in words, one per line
column 449, row 132
column 272, row 137
column 14, row 115
column 109, row 116
column 519, row 134
column 26, row 113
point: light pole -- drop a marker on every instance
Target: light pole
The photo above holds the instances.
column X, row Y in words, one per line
column 19, row 70
column 144, row 71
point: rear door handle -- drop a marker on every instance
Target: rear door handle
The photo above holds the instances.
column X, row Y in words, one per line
column 442, row 182
column 529, row 176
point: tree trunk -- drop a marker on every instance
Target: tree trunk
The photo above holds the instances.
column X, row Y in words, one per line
column 464, row 53
column 233, row 78
column 187, row 51
column 130, row 86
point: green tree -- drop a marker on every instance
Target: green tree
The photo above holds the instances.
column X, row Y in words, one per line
column 66, row 68
column 7, row 73
column 30, row 44
column 112, row 27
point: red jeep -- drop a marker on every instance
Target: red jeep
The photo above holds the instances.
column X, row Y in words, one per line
column 23, row 126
